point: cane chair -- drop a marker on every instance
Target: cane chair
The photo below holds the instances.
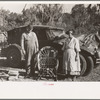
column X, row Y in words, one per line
column 47, row 63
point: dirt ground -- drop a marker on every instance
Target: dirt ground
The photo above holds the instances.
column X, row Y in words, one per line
column 94, row 76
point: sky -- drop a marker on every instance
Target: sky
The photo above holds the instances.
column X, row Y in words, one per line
column 18, row 7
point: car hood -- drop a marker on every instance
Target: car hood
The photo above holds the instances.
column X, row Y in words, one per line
column 60, row 39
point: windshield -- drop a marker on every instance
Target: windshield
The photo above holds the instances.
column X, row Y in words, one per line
column 54, row 33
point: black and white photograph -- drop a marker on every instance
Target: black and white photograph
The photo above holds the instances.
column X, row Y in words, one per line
column 49, row 49
column 53, row 42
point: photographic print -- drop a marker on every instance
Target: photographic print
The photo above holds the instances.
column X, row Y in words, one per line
column 49, row 50
column 50, row 42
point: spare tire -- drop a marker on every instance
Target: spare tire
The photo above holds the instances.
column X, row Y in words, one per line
column 14, row 57
column 83, row 65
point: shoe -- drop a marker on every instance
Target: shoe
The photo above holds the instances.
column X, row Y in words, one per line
column 27, row 76
column 74, row 78
column 69, row 79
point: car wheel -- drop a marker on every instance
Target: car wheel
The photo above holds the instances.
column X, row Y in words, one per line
column 83, row 65
column 90, row 65
column 14, row 57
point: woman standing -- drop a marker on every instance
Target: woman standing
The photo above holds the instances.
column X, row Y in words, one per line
column 71, row 60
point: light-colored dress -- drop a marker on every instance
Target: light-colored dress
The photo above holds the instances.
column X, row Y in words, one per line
column 29, row 43
column 69, row 64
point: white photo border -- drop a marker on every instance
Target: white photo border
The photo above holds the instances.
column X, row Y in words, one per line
column 50, row 90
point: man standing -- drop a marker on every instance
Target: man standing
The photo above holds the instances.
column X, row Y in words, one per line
column 30, row 47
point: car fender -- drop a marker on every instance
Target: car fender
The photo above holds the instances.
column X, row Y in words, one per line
column 17, row 47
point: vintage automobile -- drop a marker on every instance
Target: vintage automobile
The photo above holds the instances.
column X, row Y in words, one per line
column 47, row 36
column 90, row 49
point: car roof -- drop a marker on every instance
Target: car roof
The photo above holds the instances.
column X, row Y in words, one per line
column 46, row 27
column 39, row 26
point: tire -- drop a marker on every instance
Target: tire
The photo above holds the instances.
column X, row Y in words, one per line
column 90, row 65
column 14, row 57
column 83, row 65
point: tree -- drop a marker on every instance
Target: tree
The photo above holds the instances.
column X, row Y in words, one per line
column 80, row 15
column 84, row 18
column 49, row 13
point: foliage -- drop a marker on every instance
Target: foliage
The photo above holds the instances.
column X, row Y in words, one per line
column 85, row 20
